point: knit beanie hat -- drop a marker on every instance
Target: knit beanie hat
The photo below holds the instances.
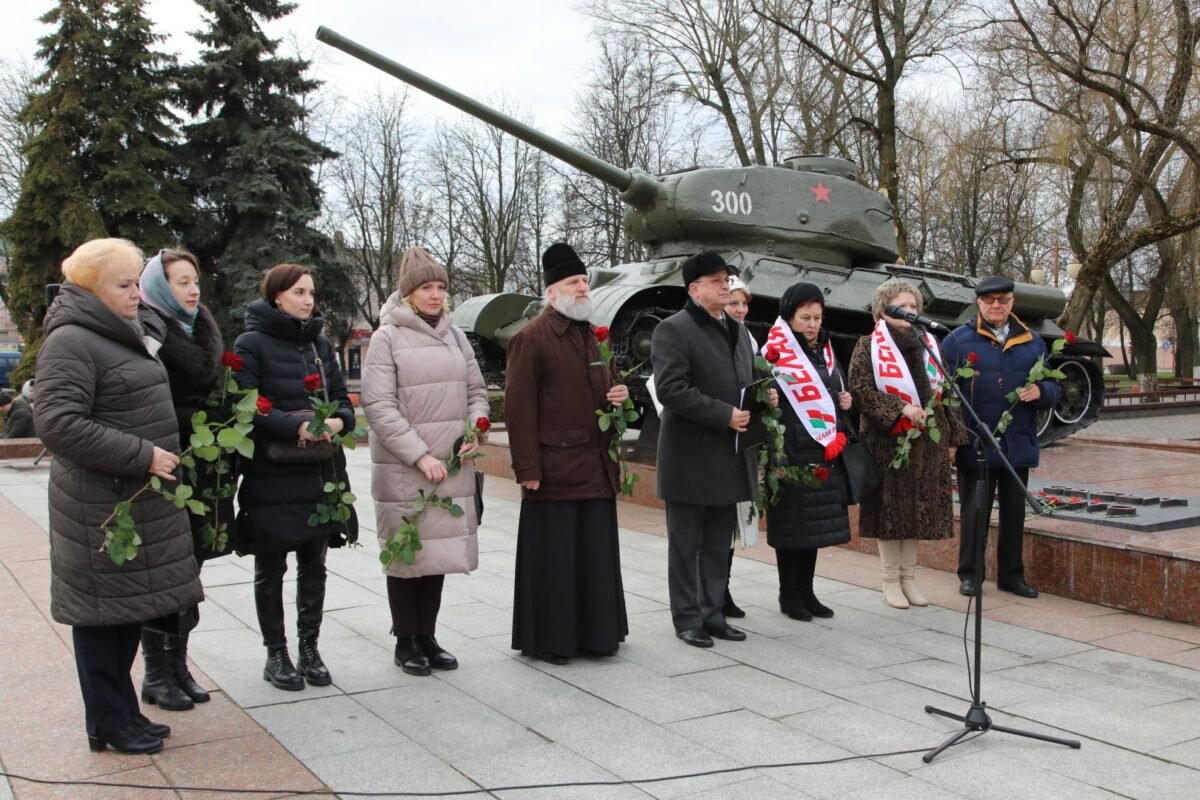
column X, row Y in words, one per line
column 418, row 267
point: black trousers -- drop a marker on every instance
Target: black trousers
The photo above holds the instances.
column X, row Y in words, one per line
column 103, row 657
column 698, row 540
column 415, row 603
column 796, row 571
column 269, row 570
column 1010, row 566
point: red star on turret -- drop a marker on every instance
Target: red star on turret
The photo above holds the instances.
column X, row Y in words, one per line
column 820, row 192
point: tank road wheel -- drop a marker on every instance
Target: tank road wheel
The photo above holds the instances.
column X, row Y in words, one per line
column 1076, row 395
column 1044, row 417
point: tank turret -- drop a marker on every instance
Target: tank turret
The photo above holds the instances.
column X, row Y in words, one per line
column 808, row 218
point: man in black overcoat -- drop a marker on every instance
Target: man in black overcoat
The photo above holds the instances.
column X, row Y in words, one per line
column 702, row 360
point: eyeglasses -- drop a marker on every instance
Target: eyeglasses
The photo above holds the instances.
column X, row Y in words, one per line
column 996, row 300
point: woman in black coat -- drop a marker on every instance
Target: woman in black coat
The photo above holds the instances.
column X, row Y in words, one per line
column 282, row 350
column 805, row 519
column 191, row 351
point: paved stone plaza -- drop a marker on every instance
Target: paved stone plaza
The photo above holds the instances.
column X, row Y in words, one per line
column 1127, row 686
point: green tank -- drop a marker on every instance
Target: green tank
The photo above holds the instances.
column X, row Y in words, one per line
column 808, row 218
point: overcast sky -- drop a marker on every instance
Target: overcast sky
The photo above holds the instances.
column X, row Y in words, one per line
column 536, row 53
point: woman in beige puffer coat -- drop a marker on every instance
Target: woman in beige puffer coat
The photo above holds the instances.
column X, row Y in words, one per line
column 421, row 385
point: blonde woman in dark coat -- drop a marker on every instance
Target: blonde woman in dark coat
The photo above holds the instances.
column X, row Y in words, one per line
column 104, row 410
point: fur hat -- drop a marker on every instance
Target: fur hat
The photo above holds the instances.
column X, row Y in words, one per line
column 6, row 397
column 797, row 295
column 736, row 285
column 702, row 264
column 418, row 267
column 559, row 262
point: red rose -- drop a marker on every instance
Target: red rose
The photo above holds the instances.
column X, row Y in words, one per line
column 772, row 354
column 312, row 383
column 263, row 404
column 1097, row 500
column 602, row 333
column 231, row 360
column 822, row 473
column 1070, row 337
column 972, row 357
column 483, row 424
column 902, row 426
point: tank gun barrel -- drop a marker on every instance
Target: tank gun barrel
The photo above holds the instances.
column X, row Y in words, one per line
column 637, row 188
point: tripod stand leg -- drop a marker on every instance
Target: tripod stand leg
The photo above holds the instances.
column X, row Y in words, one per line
column 1072, row 743
column 953, row 740
column 940, row 713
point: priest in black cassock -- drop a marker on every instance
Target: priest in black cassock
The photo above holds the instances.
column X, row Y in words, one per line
column 568, row 597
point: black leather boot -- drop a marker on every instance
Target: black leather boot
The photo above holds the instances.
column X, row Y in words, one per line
column 152, row 728
column 177, row 648
column 311, row 666
column 791, row 601
column 410, row 657
column 158, row 685
column 280, row 672
column 438, row 658
column 808, row 567
column 131, row 739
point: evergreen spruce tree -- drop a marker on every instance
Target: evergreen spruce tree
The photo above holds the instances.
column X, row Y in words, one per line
column 249, row 164
column 132, row 176
column 99, row 161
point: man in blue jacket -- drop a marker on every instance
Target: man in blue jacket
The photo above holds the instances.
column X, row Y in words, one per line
column 1002, row 350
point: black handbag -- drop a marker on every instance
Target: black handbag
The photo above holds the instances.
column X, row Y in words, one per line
column 278, row 451
column 858, row 466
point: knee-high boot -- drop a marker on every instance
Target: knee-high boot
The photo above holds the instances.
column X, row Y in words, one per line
column 158, row 686
column 908, row 573
column 889, row 555
column 177, row 647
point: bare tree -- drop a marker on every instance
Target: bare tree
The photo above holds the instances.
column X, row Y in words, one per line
column 723, row 59
column 378, row 206
column 491, row 193
column 903, row 35
column 626, row 116
column 16, row 85
column 1116, row 81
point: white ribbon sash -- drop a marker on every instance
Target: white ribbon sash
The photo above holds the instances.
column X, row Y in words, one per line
column 892, row 375
column 801, row 384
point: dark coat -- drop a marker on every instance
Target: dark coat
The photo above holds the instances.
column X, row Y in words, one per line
column 551, row 395
column 18, row 422
column 276, row 500
column 810, row 517
column 103, row 405
column 194, row 369
column 1001, row 370
column 913, row 502
column 700, row 369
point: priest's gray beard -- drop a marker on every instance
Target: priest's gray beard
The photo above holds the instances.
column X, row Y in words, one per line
column 576, row 309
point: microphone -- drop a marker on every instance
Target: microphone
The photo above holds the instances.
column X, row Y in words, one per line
column 896, row 312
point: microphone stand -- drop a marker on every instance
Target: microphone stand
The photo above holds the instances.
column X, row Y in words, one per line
column 976, row 718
